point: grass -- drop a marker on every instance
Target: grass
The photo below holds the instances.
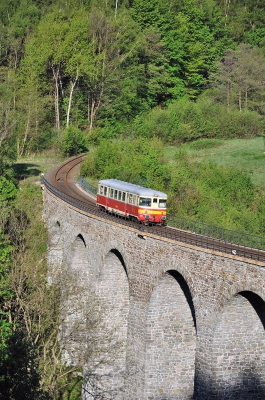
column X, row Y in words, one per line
column 30, row 168
column 247, row 155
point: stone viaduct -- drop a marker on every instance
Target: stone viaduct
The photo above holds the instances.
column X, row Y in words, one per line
column 191, row 321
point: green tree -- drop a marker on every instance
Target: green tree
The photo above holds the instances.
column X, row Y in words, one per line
column 73, row 142
column 46, row 52
column 240, row 77
column 113, row 41
column 6, row 294
column 19, row 374
column 8, row 121
column 242, row 17
column 80, row 52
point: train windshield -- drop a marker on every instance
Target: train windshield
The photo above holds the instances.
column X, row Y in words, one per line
column 162, row 203
column 145, row 202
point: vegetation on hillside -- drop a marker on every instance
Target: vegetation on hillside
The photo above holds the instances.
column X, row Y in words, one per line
column 127, row 81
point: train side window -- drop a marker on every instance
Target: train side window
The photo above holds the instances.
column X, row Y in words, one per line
column 119, row 195
column 130, row 198
column 155, row 200
column 105, row 190
column 145, row 202
column 162, row 203
column 115, row 194
column 101, row 189
column 123, row 196
column 111, row 193
column 134, row 199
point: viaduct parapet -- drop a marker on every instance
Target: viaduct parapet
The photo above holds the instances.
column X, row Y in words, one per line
column 191, row 320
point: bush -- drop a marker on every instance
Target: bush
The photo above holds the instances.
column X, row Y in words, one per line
column 73, row 142
column 8, row 191
column 202, row 144
column 160, row 123
column 185, row 121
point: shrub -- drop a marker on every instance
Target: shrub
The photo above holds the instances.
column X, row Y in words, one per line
column 8, row 191
column 73, row 142
column 202, row 144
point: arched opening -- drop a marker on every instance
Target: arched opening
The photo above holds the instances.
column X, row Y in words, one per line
column 55, row 252
column 79, row 256
column 170, row 340
column 238, row 352
column 56, row 232
column 76, row 311
column 113, row 294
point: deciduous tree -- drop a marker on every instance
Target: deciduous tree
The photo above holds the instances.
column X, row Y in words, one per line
column 241, row 75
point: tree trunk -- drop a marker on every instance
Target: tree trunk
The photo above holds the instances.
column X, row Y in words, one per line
column 227, row 4
column 116, row 8
column 228, row 95
column 92, row 115
column 246, row 99
column 20, row 153
column 55, row 71
column 73, row 83
column 240, row 100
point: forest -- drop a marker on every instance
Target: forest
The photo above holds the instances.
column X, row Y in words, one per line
column 128, row 82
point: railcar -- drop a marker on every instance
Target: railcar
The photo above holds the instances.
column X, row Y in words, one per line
column 132, row 201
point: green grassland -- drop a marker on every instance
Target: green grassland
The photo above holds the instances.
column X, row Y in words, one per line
column 204, row 193
column 30, row 168
column 247, row 155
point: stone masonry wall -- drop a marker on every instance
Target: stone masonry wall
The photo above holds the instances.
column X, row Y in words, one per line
column 190, row 321
column 170, row 342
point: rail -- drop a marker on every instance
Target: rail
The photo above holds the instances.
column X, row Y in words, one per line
column 216, row 232
column 188, row 236
column 87, row 186
column 201, row 228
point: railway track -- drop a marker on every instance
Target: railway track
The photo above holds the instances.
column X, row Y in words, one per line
column 61, row 181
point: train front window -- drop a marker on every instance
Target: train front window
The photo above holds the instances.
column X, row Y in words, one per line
column 145, row 202
column 162, row 203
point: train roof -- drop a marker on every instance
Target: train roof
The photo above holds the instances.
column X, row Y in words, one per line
column 132, row 188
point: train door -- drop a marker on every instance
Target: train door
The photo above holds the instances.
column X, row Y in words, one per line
column 125, row 200
column 121, row 199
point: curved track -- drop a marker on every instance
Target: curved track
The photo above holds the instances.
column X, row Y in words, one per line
column 61, row 181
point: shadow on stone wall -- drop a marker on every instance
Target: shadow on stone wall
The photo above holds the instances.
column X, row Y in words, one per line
column 183, row 284
column 119, row 256
column 250, row 388
column 242, row 375
column 257, row 303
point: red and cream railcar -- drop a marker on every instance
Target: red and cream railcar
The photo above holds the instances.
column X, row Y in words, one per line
column 132, row 201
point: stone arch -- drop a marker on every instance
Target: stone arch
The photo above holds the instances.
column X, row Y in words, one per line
column 112, row 289
column 56, row 232
column 79, row 256
column 170, row 340
column 238, row 349
column 75, row 302
column 55, row 252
